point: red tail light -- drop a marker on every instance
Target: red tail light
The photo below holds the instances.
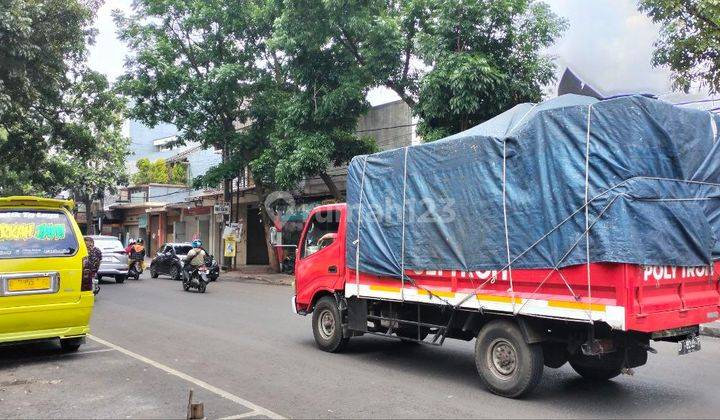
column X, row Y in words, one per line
column 86, row 284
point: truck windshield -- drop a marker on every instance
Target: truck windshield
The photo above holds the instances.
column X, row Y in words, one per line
column 29, row 234
column 322, row 231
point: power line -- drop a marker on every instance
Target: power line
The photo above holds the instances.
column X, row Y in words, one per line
column 386, row 128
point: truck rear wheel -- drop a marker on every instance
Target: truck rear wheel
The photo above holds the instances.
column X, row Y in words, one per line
column 507, row 365
column 596, row 369
column 327, row 326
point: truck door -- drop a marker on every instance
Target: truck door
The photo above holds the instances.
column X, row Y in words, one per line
column 319, row 263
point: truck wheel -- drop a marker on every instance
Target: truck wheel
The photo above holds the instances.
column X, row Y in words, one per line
column 507, row 365
column 174, row 273
column 327, row 326
column 153, row 272
column 596, row 370
column 120, row 278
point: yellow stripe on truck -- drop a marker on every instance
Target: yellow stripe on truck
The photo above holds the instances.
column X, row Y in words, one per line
column 379, row 288
column 496, row 298
column 576, row 305
column 438, row 293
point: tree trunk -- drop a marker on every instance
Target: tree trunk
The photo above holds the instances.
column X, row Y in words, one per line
column 327, row 179
column 89, row 216
column 267, row 224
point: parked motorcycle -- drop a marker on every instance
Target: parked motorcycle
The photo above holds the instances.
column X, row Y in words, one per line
column 288, row 264
column 135, row 269
column 196, row 278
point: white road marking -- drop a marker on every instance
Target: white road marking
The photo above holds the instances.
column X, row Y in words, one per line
column 93, row 351
column 241, row 416
column 256, row 409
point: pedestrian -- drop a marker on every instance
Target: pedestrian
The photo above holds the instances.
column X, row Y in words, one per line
column 94, row 255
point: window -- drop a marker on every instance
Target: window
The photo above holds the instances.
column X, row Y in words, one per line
column 182, row 249
column 29, row 234
column 108, row 244
column 322, row 231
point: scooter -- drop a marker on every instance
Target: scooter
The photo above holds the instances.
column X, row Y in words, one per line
column 196, row 278
column 135, row 269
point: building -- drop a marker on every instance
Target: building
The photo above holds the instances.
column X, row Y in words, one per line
column 161, row 213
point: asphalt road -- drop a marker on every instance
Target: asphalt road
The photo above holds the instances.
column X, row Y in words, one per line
column 245, row 354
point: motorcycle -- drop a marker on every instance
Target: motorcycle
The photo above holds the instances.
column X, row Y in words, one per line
column 135, row 269
column 288, row 264
column 213, row 267
column 196, row 278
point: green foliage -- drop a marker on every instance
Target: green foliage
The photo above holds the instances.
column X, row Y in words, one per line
column 456, row 63
column 178, row 174
column 210, row 66
column 59, row 122
column 689, row 40
column 476, row 74
column 159, row 172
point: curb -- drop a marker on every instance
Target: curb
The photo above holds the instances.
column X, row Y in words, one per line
column 711, row 329
column 243, row 277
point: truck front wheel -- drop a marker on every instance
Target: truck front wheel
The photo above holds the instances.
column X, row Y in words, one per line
column 327, row 326
column 507, row 365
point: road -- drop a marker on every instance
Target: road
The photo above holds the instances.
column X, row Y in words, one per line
column 245, row 354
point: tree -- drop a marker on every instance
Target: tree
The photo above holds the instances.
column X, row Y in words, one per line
column 322, row 96
column 95, row 165
column 486, row 56
column 454, row 63
column 159, row 172
column 689, row 41
column 193, row 65
column 42, row 47
column 198, row 64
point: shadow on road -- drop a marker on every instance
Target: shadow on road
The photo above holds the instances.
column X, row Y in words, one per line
column 624, row 396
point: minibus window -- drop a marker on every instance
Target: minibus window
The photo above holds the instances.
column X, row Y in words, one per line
column 31, row 234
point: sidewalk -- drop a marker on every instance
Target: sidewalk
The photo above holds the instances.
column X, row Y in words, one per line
column 711, row 329
column 260, row 273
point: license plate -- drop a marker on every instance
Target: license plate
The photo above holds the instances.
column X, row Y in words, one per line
column 26, row 284
column 689, row 345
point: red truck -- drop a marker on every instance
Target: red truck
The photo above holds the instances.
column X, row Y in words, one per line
column 537, row 323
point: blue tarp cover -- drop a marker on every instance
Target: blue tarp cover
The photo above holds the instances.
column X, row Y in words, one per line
column 653, row 171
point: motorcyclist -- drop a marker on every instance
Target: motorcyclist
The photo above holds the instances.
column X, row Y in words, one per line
column 137, row 252
column 195, row 258
column 128, row 248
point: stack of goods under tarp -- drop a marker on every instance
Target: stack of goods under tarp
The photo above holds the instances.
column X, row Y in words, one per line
column 515, row 188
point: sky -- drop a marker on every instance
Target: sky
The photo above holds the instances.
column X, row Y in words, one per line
column 608, row 44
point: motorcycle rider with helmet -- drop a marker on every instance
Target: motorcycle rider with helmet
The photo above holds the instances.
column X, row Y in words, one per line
column 195, row 258
column 137, row 255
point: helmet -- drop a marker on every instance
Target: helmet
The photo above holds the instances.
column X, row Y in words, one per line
column 139, row 241
column 131, row 241
column 196, row 243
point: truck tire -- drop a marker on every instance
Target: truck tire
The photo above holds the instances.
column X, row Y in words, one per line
column 508, row 366
column 327, row 326
column 120, row 278
column 596, row 370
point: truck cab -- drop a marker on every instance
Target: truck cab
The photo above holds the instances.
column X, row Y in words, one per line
column 320, row 256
